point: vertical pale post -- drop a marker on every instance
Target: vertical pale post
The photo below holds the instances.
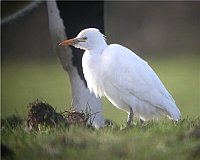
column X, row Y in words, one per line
column 82, row 98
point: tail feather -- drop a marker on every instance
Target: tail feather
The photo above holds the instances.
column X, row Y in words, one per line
column 174, row 112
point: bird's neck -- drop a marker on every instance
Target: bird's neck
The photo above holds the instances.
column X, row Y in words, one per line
column 92, row 56
column 98, row 47
column 91, row 63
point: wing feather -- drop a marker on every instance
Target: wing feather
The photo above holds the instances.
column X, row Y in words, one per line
column 132, row 75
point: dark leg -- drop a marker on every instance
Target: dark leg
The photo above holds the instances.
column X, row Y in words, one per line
column 141, row 122
column 130, row 117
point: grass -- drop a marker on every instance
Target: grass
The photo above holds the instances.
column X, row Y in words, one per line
column 23, row 83
column 154, row 140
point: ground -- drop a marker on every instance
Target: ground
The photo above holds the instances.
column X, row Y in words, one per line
column 25, row 82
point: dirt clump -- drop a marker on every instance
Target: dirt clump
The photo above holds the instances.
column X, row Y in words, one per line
column 41, row 113
column 77, row 118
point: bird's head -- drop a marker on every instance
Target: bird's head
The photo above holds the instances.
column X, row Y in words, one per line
column 87, row 39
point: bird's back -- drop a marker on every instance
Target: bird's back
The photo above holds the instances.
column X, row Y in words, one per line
column 129, row 80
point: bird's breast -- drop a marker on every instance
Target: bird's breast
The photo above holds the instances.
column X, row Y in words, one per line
column 92, row 73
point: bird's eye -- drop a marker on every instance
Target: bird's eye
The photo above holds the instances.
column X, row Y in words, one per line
column 84, row 38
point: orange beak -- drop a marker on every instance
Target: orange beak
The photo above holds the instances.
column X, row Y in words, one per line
column 68, row 42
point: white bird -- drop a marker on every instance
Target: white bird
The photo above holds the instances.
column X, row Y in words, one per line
column 127, row 81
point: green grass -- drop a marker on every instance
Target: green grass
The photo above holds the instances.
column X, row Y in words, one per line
column 24, row 82
column 155, row 140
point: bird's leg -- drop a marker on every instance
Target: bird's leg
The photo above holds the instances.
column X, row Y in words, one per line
column 130, row 116
column 141, row 121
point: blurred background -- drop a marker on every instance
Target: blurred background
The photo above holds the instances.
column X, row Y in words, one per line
column 166, row 34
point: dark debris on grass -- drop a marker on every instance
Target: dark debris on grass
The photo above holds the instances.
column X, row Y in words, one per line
column 40, row 113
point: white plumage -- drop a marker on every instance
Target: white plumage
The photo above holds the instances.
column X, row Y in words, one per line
column 124, row 78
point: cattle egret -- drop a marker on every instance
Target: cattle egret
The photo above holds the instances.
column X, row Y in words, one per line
column 127, row 81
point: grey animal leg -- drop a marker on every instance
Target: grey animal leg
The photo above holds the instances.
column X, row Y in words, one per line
column 130, row 116
column 141, row 121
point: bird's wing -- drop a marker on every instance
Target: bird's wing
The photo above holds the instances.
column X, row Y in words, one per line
column 132, row 75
